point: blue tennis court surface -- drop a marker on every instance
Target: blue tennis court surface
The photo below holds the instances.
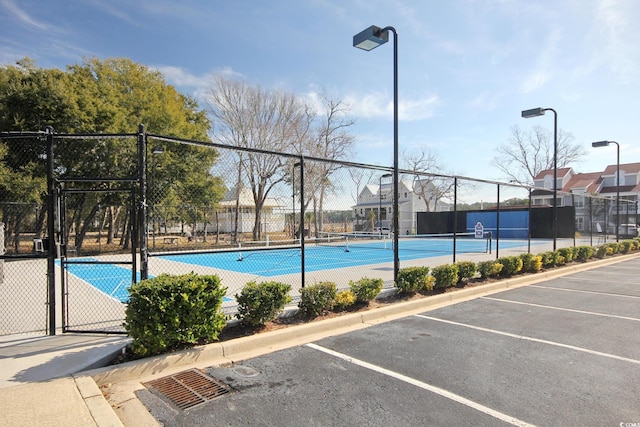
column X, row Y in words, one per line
column 114, row 280
column 110, row 279
column 275, row 261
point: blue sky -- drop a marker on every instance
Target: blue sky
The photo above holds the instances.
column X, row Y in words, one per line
column 466, row 67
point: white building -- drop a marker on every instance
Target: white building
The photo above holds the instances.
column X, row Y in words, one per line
column 272, row 217
column 375, row 205
column 572, row 185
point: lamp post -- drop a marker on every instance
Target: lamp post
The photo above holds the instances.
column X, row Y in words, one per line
column 535, row 112
column 386, row 175
column 156, row 150
column 606, row 144
column 369, row 39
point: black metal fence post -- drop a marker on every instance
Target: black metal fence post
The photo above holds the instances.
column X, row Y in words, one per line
column 51, row 231
column 142, row 211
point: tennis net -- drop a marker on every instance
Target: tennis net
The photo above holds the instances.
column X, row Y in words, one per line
column 443, row 242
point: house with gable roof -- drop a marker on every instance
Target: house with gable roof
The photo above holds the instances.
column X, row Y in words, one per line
column 572, row 185
column 241, row 207
column 375, row 205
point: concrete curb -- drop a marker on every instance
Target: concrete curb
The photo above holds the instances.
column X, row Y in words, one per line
column 240, row 348
column 131, row 411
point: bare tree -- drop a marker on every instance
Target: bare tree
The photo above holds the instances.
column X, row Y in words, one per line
column 332, row 142
column 427, row 182
column 528, row 153
column 251, row 117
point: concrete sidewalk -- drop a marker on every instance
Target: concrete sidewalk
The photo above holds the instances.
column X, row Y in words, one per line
column 63, row 380
column 37, row 386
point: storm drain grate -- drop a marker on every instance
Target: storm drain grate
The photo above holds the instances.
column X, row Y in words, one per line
column 188, row 388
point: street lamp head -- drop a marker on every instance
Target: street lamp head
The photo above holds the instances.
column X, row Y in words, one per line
column 534, row 112
column 158, row 150
column 601, row 144
column 387, row 175
column 370, row 38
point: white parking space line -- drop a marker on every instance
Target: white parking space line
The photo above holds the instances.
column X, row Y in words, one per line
column 593, row 313
column 585, row 292
column 522, row 337
column 603, row 281
column 425, row 386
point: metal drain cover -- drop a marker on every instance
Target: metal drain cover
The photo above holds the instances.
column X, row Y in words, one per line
column 187, row 389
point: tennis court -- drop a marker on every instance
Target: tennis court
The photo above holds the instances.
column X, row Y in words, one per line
column 333, row 251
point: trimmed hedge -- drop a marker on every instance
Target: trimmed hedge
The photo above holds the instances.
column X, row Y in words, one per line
column 259, row 303
column 466, row 270
column 488, row 269
column 344, row 299
column 511, row 265
column 445, row 275
column 366, row 289
column 413, row 279
column 167, row 312
column 317, row 299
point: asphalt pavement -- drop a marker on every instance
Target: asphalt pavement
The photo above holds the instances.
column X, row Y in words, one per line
column 556, row 348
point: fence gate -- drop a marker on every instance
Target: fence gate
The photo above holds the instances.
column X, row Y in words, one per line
column 94, row 291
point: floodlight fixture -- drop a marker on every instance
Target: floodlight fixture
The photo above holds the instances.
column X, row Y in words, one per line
column 371, row 38
column 534, row 112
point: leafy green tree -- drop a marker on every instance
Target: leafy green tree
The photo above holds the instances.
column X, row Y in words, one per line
column 102, row 96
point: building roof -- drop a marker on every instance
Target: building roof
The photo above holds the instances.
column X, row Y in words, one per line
column 561, row 173
column 627, row 168
column 589, row 182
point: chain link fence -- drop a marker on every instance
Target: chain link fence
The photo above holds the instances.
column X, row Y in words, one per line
column 254, row 215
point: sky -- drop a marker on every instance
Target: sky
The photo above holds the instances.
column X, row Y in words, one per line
column 466, row 68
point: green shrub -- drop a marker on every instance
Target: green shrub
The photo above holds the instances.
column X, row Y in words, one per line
column 625, row 246
column 614, row 248
column 259, row 303
column 510, row 265
column 583, row 253
column 168, row 312
column 412, row 279
column 488, row 269
column 567, row 254
column 601, row 251
column 445, row 276
column 527, row 261
column 550, row 259
column 317, row 299
column 536, row 264
column 366, row 289
column 466, row 270
column 344, row 299
column 531, row 263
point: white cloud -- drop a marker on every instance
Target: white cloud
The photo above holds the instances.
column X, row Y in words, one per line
column 544, row 67
column 378, row 105
column 614, row 36
column 183, row 79
column 23, row 16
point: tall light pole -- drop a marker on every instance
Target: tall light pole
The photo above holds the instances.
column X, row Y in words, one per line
column 369, row 39
column 156, row 150
column 535, row 112
column 386, row 175
column 605, row 144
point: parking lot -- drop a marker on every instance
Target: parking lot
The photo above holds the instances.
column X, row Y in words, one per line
column 564, row 352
